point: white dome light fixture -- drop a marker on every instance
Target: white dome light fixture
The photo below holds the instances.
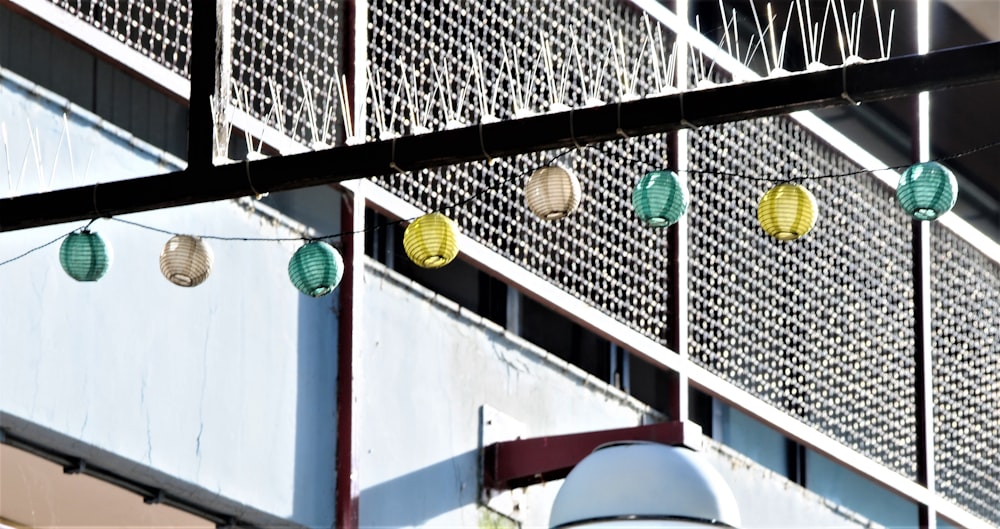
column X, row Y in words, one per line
column 642, row 484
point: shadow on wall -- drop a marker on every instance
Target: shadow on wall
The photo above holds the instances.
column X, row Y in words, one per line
column 419, row 496
column 316, row 412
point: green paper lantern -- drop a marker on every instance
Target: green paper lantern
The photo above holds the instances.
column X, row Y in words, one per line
column 84, row 256
column 316, row 269
column 927, row 190
column 660, row 198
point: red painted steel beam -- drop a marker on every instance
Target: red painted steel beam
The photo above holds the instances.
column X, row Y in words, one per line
column 523, row 462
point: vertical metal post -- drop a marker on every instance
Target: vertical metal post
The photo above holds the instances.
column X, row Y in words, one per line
column 347, row 493
column 204, row 61
column 923, row 365
column 677, row 339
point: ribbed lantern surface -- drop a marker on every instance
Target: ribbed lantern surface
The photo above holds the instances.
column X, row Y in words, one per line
column 186, row 260
column 927, row 190
column 552, row 192
column 316, row 269
column 660, row 198
column 787, row 211
column 430, row 241
column 84, row 256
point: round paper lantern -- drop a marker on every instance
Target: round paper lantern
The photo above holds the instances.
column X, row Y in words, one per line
column 552, row 192
column 84, row 256
column 660, row 198
column 430, row 241
column 787, row 211
column 316, row 269
column 186, row 260
column 927, row 190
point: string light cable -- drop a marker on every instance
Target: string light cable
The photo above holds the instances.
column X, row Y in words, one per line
column 447, row 207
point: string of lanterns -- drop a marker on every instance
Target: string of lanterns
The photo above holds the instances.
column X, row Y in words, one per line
column 787, row 211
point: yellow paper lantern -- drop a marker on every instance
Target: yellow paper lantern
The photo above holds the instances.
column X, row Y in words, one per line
column 186, row 260
column 431, row 241
column 552, row 192
column 787, row 211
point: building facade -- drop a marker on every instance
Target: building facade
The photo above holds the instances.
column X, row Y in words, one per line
column 844, row 379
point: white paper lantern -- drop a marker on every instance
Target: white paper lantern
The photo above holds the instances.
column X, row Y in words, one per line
column 186, row 260
column 552, row 192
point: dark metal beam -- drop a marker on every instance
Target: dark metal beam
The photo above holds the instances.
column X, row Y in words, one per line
column 523, row 462
column 733, row 102
column 204, row 60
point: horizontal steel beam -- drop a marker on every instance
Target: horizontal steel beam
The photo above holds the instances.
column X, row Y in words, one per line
column 523, row 462
column 859, row 82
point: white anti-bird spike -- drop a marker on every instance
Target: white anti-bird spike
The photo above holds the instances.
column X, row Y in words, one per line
column 69, row 150
column 760, row 35
column 892, row 22
column 36, row 150
column 514, row 81
column 310, row 109
column 878, row 27
column 657, row 64
column 550, row 74
column 700, row 60
column 452, row 107
column 378, row 107
column 276, row 106
column 329, row 121
column 478, row 72
column 725, row 28
column 24, row 165
column 86, row 168
column 802, row 31
column 774, row 48
column 840, row 32
column 584, row 86
column 55, row 159
column 857, row 38
column 6, row 152
column 345, row 107
column 784, row 35
column 822, row 35
column 848, row 27
column 736, row 36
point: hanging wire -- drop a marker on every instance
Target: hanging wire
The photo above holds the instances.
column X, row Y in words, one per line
column 495, row 187
column 35, row 249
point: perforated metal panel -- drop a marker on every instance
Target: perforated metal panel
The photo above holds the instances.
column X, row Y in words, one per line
column 965, row 307
column 821, row 327
column 287, row 53
column 600, row 253
column 159, row 30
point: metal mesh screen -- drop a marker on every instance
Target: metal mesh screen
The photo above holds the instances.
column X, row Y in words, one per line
column 159, row 30
column 600, row 253
column 965, row 305
column 286, row 64
column 821, row 327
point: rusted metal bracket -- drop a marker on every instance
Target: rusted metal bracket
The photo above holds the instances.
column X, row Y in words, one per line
column 523, row 462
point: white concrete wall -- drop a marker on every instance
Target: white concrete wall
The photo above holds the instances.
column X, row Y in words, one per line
column 228, row 389
column 427, row 367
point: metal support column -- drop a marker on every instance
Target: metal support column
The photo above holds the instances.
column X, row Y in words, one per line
column 204, row 63
column 923, row 361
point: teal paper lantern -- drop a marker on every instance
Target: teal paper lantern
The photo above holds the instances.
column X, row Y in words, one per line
column 84, row 256
column 660, row 198
column 927, row 190
column 316, row 269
